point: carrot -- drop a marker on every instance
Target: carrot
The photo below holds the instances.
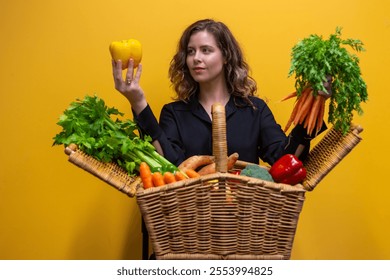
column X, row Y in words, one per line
column 169, row 178
column 320, row 116
column 300, row 101
column 292, row 117
column 307, row 118
column 194, row 162
column 305, row 108
column 304, row 95
column 147, row 182
column 192, row 173
column 312, row 117
column 308, row 110
column 180, row 175
column 146, row 175
column 320, row 108
column 158, row 179
column 291, row 95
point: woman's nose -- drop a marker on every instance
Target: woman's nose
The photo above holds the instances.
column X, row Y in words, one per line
column 197, row 57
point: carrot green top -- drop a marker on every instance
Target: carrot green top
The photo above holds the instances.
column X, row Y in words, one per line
column 313, row 59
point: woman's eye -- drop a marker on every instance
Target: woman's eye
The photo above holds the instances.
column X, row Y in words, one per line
column 190, row 51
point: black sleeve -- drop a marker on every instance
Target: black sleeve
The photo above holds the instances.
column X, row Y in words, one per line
column 149, row 125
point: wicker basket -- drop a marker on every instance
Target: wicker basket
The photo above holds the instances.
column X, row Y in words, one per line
column 222, row 215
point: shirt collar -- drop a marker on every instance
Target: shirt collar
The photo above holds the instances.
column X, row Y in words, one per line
column 197, row 109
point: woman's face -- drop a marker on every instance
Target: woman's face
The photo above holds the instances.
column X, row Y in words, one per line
column 204, row 58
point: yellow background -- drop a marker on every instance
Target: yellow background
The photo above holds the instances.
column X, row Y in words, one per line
column 53, row 52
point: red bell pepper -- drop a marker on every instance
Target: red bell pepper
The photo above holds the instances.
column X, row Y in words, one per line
column 288, row 170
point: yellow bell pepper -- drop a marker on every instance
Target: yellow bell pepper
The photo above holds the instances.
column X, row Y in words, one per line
column 124, row 50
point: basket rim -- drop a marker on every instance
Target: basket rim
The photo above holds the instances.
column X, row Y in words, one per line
column 218, row 177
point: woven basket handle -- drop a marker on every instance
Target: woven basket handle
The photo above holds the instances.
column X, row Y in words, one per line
column 328, row 153
column 219, row 137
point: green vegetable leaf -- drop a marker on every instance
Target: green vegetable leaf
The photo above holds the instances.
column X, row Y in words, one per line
column 314, row 58
column 89, row 124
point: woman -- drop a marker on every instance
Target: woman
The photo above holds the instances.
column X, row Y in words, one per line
column 209, row 67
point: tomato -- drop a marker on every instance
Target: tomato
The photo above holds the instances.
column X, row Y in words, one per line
column 124, row 50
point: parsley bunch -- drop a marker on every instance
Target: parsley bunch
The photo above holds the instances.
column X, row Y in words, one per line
column 313, row 59
column 88, row 123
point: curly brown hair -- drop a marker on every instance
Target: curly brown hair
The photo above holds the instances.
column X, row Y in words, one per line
column 239, row 82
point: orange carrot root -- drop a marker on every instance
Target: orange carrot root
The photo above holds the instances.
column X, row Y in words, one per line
column 158, row 179
column 169, row 178
column 192, row 173
column 304, row 108
column 309, row 110
column 292, row 116
column 291, row 95
column 312, row 116
column 301, row 100
column 146, row 175
column 179, row 175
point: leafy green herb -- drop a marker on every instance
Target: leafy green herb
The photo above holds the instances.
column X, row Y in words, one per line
column 313, row 59
column 88, row 123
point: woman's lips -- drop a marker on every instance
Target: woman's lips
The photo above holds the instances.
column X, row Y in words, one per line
column 198, row 69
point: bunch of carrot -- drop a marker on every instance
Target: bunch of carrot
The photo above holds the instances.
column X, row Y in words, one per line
column 308, row 110
column 192, row 167
column 157, row 179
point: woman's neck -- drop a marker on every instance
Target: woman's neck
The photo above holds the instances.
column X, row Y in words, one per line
column 211, row 95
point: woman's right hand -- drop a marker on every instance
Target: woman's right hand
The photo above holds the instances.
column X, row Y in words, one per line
column 129, row 86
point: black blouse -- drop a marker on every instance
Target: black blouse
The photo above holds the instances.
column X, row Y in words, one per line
column 185, row 129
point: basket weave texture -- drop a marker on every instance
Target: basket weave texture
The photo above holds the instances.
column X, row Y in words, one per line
column 324, row 156
column 222, row 215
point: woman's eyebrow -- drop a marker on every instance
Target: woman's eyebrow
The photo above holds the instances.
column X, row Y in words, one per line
column 202, row 46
